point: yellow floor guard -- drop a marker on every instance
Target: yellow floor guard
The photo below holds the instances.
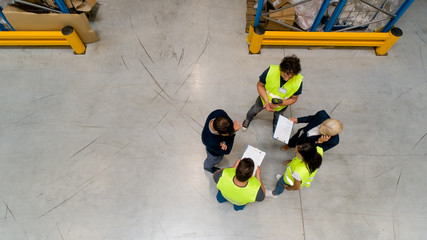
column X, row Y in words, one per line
column 67, row 36
column 381, row 41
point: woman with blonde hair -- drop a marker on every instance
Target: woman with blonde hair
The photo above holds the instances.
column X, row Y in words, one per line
column 320, row 128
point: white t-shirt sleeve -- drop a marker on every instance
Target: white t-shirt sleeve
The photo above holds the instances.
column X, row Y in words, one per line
column 296, row 176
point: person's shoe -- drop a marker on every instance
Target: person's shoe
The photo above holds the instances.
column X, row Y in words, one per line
column 213, row 170
column 245, row 125
column 278, row 176
column 269, row 193
column 285, row 148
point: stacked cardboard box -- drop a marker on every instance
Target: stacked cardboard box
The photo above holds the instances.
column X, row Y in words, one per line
column 286, row 16
column 250, row 13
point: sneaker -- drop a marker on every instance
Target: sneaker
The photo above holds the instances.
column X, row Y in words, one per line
column 279, row 176
column 269, row 193
column 245, row 125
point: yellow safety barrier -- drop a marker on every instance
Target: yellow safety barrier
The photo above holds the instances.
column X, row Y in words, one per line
column 67, row 36
column 381, row 41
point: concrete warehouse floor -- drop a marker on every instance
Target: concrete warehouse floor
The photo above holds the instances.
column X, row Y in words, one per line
column 107, row 145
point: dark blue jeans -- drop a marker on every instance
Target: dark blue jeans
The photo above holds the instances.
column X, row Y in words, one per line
column 211, row 160
column 279, row 186
column 258, row 107
column 221, row 199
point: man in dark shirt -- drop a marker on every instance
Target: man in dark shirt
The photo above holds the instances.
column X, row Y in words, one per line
column 218, row 137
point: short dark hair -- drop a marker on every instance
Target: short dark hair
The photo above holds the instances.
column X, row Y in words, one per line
column 311, row 157
column 245, row 169
column 290, row 64
column 223, row 125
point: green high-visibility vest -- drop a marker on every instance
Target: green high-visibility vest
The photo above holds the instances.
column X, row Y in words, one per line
column 272, row 85
column 235, row 194
column 299, row 166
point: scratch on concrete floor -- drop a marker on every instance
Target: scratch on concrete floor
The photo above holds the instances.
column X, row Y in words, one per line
column 94, row 176
column 409, row 89
column 83, row 148
column 185, row 103
column 194, row 120
column 161, row 138
column 185, row 80
column 159, row 94
column 419, row 140
column 196, row 130
column 161, row 227
column 207, row 200
column 125, row 63
column 160, row 120
column 422, row 58
column 10, row 211
column 142, row 45
column 181, row 57
column 57, row 227
column 154, row 79
column 41, row 98
column 398, row 180
column 398, row 165
column 302, row 213
column 208, row 40
column 131, row 23
column 421, row 36
column 66, row 200
column 336, row 106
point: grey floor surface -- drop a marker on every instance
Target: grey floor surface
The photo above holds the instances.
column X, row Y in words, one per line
column 107, row 145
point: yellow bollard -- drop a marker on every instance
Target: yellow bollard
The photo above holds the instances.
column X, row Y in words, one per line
column 74, row 40
column 395, row 34
column 256, row 39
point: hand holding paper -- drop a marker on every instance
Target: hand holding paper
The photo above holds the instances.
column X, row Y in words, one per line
column 283, row 129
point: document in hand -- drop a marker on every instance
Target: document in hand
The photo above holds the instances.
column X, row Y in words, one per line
column 255, row 154
column 283, row 129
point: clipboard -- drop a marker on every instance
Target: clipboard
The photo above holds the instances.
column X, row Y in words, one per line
column 283, row 129
column 255, row 154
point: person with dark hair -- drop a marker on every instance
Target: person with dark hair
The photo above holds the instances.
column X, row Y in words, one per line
column 279, row 86
column 238, row 186
column 300, row 171
column 320, row 128
column 218, row 137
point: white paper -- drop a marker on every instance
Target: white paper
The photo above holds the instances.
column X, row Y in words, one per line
column 283, row 129
column 255, row 154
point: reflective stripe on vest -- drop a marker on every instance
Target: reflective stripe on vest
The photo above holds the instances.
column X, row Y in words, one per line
column 272, row 85
column 235, row 194
column 299, row 166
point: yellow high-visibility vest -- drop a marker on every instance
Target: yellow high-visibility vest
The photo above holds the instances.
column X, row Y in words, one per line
column 272, row 85
column 299, row 166
column 235, row 194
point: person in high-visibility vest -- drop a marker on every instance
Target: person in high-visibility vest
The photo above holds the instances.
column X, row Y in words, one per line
column 238, row 186
column 320, row 128
column 279, row 87
column 300, row 171
column 218, row 137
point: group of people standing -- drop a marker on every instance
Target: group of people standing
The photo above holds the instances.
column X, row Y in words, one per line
column 279, row 87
